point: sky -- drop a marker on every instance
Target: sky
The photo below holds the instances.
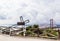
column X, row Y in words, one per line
column 37, row 11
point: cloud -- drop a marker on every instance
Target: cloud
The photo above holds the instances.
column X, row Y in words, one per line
column 37, row 11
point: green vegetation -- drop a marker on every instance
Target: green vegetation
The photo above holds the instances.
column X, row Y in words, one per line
column 35, row 31
column 50, row 33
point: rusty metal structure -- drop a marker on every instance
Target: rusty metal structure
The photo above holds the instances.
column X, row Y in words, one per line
column 13, row 29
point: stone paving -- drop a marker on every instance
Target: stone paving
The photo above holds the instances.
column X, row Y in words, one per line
column 12, row 38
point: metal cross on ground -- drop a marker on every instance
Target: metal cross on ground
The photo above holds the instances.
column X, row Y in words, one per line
column 22, row 23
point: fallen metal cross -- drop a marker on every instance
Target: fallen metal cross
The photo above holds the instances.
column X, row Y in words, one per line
column 23, row 22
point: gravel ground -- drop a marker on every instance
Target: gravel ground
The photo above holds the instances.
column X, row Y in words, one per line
column 12, row 38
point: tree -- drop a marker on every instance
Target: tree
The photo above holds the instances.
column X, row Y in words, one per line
column 35, row 26
column 38, row 31
column 28, row 28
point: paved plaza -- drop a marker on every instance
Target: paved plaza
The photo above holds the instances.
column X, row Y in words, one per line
column 12, row 38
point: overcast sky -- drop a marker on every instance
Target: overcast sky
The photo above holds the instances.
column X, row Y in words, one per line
column 37, row 11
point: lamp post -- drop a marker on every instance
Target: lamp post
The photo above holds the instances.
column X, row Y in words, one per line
column 22, row 23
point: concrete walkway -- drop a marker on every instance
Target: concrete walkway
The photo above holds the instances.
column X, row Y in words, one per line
column 12, row 38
